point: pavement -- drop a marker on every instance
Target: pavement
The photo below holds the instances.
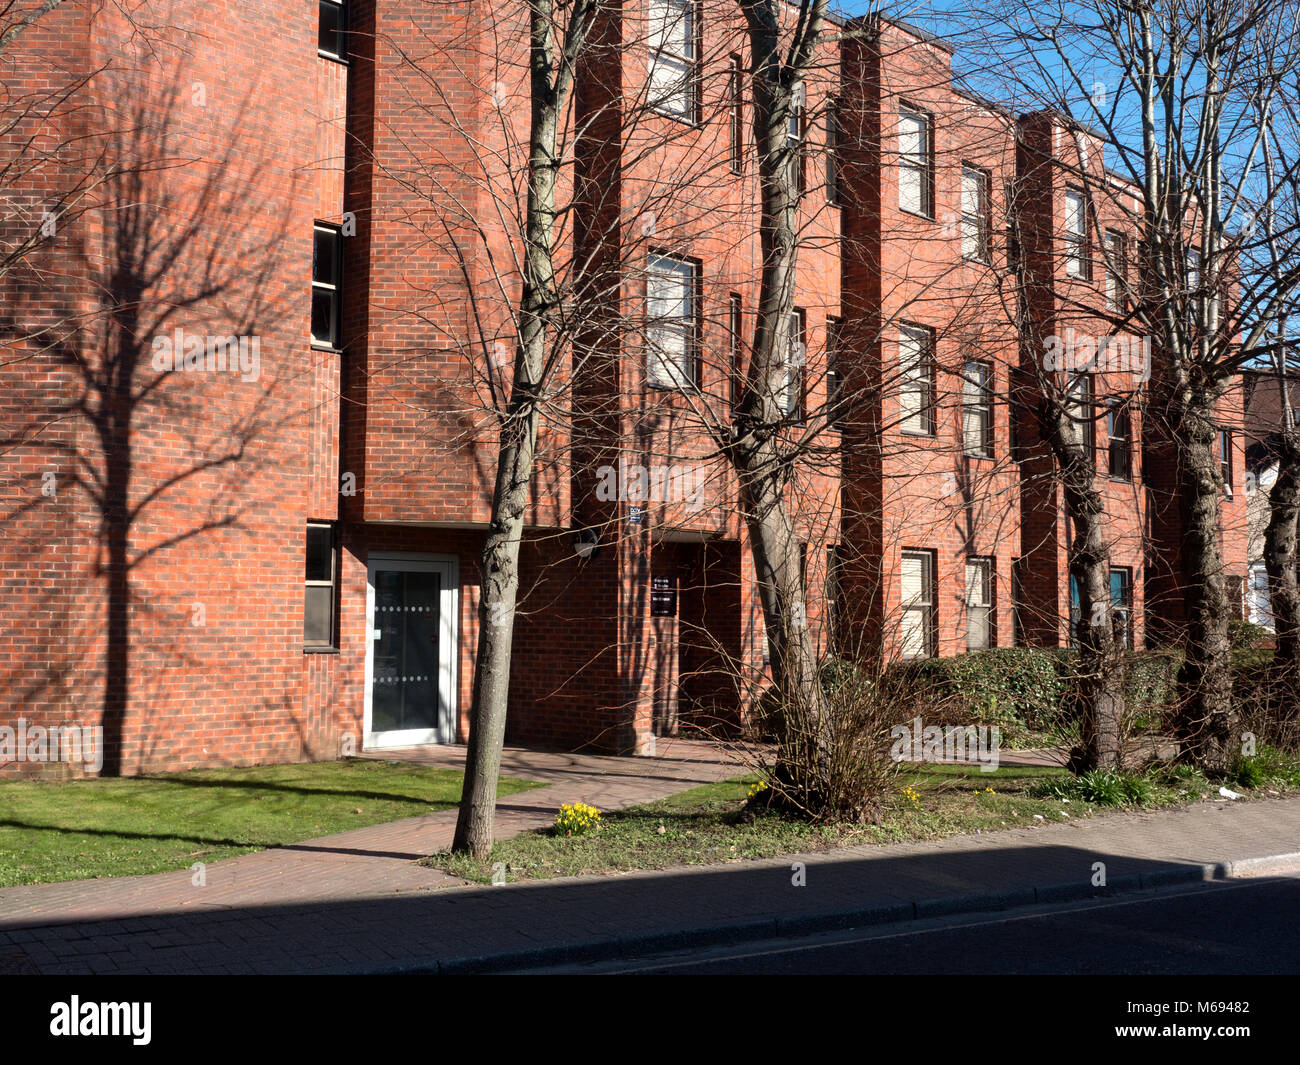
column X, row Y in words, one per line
column 356, row 902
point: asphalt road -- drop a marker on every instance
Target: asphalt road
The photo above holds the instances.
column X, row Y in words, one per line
column 1227, row 927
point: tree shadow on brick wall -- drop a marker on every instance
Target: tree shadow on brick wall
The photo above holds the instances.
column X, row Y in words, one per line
column 155, row 348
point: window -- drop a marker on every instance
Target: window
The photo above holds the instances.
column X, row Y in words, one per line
column 1259, row 606
column 794, row 136
column 326, row 286
column 322, row 580
column 1017, row 602
column 332, row 36
column 1120, row 441
column 834, row 597
column 736, row 115
column 977, row 409
column 834, row 165
column 1078, row 405
column 976, row 221
column 674, row 51
column 735, row 334
column 915, row 162
column 834, row 382
column 1121, row 604
column 1075, row 612
column 672, row 329
column 1193, row 269
column 979, row 604
column 919, row 621
column 1076, row 234
column 789, row 398
column 1116, row 270
column 916, row 389
column 1225, row 459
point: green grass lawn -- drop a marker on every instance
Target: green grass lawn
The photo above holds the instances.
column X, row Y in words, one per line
column 75, row 830
column 704, row 826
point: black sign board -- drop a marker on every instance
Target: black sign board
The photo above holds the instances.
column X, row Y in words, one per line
column 663, row 597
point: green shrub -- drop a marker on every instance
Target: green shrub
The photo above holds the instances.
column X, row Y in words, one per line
column 1020, row 689
column 1102, row 787
column 1269, row 767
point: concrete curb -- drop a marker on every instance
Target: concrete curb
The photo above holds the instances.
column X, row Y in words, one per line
column 730, row 933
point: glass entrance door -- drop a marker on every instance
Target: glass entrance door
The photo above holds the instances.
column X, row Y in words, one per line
column 410, row 666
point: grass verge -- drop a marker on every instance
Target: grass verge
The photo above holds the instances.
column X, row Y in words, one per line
column 74, row 830
column 706, row 825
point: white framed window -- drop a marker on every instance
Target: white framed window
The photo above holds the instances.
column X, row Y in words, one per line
column 674, row 56
column 976, row 222
column 1259, row 600
column 1076, row 233
column 834, row 164
column 333, row 30
column 326, row 286
column 672, row 326
column 977, row 409
column 979, row 604
column 736, row 114
column 1119, row 432
column 1121, row 603
column 916, row 380
column 1225, row 459
column 915, row 162
column 794, row 135
column 1079, row 408
column 919, row 632
column 321, row 586
column 789, row 398
column 1116, row 271
column 834, row 372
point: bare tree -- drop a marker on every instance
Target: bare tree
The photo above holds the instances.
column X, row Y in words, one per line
column 1185, row 97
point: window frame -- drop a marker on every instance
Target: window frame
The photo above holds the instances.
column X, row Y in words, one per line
column 988, row 606
column 1117, row 416
column 1085, row 405
column 926, row 166
column 333, row 287
column 340, row 33
column 332, row 643
column 834, row 160
column 736, row 113
column 735, row 341
column 1124, row 603
column 1225, row 450
column 796, row 364
column 1078, row 251
column 928, row 603
column 982, row 405
column 834, row 376
column 1116, row 267
column 796, row 133
column 692, row 347
column 690, row 64
column 983, row 219
column 926, row 363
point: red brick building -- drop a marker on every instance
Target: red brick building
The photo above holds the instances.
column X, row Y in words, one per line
column 331, row 189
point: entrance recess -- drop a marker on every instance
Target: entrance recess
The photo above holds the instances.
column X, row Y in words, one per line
column 411, row 650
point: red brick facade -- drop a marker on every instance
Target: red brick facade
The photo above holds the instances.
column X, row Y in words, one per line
column 158, row 588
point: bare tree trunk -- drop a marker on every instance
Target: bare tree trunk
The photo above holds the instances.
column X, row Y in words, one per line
column 1284, row 589
column 551, row 78
column 1204, row 727
column 1101, row 658
column 762, row 465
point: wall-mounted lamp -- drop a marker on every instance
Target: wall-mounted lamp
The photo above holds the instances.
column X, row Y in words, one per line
column 585, row 542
